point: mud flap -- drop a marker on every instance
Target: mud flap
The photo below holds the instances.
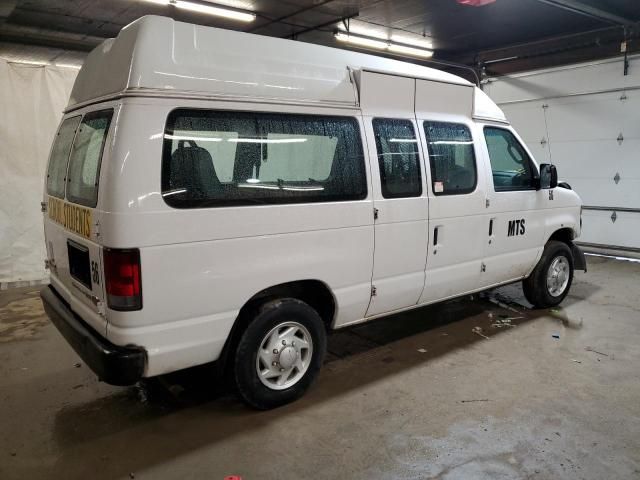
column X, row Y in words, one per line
column 579, row 260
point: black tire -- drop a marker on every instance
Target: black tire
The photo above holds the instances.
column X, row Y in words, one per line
column 269, row 315
column 535, row 286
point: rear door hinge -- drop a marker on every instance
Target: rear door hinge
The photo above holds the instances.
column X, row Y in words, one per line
column 43, row 207
column 487, row 203
column 483, row 267
column 375, row 213
column 374, row 291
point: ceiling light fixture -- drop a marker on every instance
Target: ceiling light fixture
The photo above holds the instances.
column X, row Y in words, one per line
column 382, row 45
column 68, row 65
column 209, row 9
column 414, row 52
column 414, row 42
column 31, row 63
column 363, row 41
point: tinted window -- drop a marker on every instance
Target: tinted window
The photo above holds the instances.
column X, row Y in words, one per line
column 451, row 156
column 84, row 164
column 238, row 158
column 510, row 164
column 57, row 171
column 398, row 158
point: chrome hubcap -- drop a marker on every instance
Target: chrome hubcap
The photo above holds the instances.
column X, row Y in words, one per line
column 558, row 276
column 284, row 355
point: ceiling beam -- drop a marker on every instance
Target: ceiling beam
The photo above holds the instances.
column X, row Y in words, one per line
column 282, row 18
column 294, row 35
column 45, row 37
column 575, row 6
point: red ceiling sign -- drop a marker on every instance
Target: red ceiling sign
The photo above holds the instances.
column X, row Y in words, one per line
column 476, row 3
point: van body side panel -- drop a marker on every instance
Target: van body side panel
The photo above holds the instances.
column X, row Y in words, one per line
column 201, row 265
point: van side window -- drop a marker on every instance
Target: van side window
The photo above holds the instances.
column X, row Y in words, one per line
column 452, row 159
column 57, row 171
column 510, row 164
column 221, row 158
column 397, row 149
column 86, row 156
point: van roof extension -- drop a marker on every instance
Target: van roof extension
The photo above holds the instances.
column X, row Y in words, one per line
column 157, row 56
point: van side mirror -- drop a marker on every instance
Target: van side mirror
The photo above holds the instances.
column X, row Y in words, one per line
column 548, row 176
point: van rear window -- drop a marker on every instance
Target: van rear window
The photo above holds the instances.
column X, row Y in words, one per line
column 86, row 155
column 215, row 158
column 57, row 171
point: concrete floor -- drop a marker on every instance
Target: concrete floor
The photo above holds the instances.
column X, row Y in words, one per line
column 415, row 396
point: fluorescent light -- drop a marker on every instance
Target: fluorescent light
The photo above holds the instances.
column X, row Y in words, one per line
column 416, row 52
column 217, row 11
column 365, row 42
column 174, row 192
column 412, row 41
column 303, row 189
column 30, row 62
column 68, row 65
column 210, row 9
column 266, row 140
column 193, row 138
column 380, row 45
column 264, row 187
column 45, row 64
column 403, row 140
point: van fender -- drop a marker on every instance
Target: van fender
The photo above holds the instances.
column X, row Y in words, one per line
column 566, row 233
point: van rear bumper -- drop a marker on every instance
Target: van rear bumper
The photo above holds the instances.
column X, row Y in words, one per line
column 113, row 364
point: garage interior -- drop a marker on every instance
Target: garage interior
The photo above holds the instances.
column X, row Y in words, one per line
column 477, row 387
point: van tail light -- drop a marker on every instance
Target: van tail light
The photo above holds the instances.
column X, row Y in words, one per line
column 122, row 279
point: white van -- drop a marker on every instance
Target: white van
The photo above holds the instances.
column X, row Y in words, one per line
column 215, row 195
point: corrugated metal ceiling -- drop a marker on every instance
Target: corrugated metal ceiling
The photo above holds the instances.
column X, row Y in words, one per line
column 458, row 33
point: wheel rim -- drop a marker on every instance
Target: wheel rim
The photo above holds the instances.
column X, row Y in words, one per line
column 284, row 355
column 558, row 276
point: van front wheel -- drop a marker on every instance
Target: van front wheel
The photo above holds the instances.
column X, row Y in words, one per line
column 279, row 354
column 550, row 281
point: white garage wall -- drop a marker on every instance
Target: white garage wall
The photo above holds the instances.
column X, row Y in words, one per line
column 31, row 102
column 586, row 120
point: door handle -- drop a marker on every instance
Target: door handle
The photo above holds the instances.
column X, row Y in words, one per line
column 435, row 236
column 491, row 230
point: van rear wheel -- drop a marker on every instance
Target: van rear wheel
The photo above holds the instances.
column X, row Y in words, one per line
column 550, row 281
column 280, row 353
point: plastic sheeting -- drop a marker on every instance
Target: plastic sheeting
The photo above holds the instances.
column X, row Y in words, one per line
column 31, row 102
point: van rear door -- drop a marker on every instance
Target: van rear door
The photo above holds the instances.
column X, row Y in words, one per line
column 74, row 254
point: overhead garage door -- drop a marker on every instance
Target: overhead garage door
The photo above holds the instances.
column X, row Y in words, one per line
column 586, row 120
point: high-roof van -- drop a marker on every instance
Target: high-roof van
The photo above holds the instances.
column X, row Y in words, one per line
column 219, row 196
